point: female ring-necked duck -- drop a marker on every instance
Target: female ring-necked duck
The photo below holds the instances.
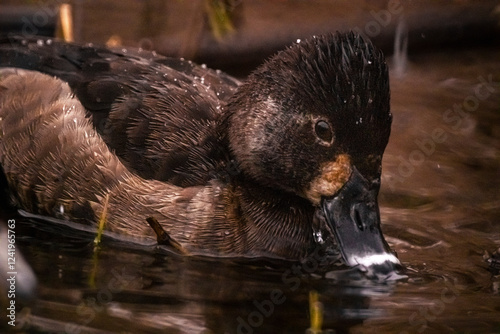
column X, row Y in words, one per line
column 274, row 166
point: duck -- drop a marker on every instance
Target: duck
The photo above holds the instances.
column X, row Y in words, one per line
column 279, row 165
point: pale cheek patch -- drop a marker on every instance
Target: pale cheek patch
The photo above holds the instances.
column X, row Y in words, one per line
column 334, row 174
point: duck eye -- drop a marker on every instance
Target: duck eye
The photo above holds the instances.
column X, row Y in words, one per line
column 323, row 131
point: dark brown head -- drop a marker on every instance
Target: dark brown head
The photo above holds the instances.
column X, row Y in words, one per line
column 320, row 106
column 314, row 119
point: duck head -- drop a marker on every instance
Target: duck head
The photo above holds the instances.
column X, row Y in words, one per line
column 314, row 121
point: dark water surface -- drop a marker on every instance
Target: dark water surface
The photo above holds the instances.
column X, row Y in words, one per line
column 440, row 206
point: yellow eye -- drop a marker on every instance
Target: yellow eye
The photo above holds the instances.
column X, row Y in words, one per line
column 323, row 131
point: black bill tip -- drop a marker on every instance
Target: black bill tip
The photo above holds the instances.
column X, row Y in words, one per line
column 354, row 218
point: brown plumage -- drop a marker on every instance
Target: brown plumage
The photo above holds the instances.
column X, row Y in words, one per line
column 226, row 169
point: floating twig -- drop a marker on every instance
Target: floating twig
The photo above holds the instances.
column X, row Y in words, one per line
column 163, row 238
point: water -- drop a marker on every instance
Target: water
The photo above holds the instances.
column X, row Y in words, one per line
column 440, row 208
column 400, row 56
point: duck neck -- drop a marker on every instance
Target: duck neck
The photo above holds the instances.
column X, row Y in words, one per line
column 259, row 220
column 271, row 222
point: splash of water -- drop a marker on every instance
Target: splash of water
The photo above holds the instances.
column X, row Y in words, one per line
column 400, row 59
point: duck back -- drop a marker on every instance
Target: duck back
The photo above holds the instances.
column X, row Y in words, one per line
column 159, row 115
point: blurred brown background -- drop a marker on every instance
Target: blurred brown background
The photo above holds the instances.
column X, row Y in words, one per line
column 229, row 33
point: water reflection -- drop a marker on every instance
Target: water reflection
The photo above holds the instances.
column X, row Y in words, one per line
column 141, row 290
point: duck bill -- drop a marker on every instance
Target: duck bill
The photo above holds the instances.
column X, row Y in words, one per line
column 354, row 217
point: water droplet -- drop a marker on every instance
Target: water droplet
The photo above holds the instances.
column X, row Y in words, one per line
column 369, row 62
column 39, row 42
column 124, row 50
column 226, row 232
column 49, row 42
column 203, row 65
column 318, row 237
column 370, row 100
column 298, row 40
